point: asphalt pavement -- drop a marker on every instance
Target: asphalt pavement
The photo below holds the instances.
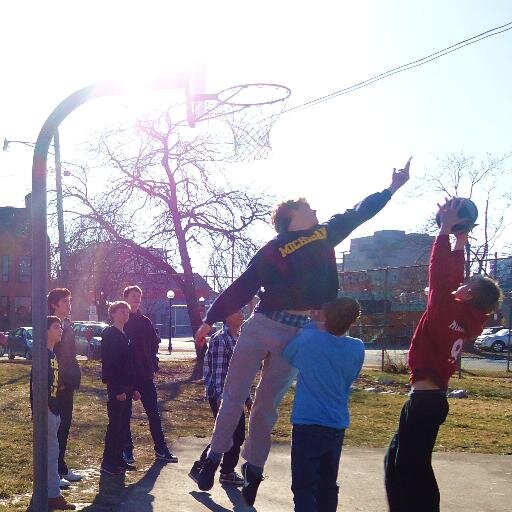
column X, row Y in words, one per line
column 468, row 482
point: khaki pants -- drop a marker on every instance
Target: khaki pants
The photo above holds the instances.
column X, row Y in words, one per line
column 262, row 341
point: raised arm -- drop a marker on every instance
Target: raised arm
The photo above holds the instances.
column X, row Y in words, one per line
column 234, row 297
column 446, row 269
column 341, row 225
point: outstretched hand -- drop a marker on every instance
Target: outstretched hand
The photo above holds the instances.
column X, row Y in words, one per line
column 400, row 177
column 449, row 215
column 201, row 333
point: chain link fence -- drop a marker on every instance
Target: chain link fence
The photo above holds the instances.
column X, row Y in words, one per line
column 394, row 298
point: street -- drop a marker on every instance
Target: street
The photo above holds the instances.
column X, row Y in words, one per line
column 183, row 348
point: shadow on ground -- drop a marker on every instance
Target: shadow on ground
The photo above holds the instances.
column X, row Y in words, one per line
column 113, row 491
column 234, row 495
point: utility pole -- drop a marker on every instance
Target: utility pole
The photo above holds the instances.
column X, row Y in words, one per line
column 63, row 255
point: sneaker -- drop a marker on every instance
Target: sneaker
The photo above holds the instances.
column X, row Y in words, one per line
column 232, row 478
column 194, row 471
column 71, row 476
column 165, row 455
column 207, row 475
column 251, row 484
column 64, row 484
column 110, row 470
column 128, row 455
column 124, row 466
column 60, row 503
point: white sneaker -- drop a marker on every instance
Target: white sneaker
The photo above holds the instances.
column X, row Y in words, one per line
column 71, row 476
column 64, row 484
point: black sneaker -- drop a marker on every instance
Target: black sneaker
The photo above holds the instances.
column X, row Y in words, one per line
column 124, row 466
column 206, row 475
column 165, row 455
column 194, row 471
column 110, row 470
column 128, row 455
column 251, row 484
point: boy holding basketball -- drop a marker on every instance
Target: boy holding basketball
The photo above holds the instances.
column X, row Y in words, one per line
column 454, row 315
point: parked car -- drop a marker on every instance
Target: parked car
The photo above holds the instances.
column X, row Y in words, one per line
column 19, row 343
column 88, row 338
column 3, row 343
column 497, row 342
column 491, row 330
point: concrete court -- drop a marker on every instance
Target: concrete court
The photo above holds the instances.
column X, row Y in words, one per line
column 468, row 482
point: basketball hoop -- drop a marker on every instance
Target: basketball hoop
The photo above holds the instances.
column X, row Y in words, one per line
column 250, row 111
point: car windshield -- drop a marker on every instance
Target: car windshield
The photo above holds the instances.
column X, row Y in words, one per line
column 29, row 334
column 98, row 329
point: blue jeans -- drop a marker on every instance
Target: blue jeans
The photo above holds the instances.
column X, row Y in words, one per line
column 316, row 452
column 149, row 400
column 410, row 481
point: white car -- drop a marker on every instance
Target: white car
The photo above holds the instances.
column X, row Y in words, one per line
column 497, row 342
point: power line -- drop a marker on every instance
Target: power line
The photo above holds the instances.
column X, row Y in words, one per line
column 405, row 67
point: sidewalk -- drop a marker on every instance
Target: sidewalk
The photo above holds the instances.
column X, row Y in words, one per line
column 468, row 482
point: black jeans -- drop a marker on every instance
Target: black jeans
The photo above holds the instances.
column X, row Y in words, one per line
column 119, row 413
column 316, row 452
column 65, row 397
column 409, row 477
column 149, row 400
column 230, row 458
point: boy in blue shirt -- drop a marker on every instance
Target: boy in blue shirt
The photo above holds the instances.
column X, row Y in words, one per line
column 328, row 362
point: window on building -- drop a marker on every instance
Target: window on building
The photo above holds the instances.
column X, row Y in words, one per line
column 25, row 269
column 4, row 313
column 5, row 268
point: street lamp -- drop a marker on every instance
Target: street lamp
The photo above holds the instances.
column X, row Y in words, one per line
column 40, row 267
column 201, row 302
column 170, row 296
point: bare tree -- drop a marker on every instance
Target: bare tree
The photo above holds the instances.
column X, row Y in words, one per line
column 459, row 175
column 165, row 191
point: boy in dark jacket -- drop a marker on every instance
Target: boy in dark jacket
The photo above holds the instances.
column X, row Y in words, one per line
column 292, row 274
column 118, row 373
column 454, row 315
column 145, row 341
column 55, row 499
column 59, row 304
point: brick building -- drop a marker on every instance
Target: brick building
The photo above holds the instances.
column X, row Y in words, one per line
column 99, row 273
column 15, row 267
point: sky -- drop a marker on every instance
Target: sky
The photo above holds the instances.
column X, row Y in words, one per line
column 334, row 153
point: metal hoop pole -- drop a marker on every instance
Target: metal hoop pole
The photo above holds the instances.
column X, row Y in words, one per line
column 40, row 269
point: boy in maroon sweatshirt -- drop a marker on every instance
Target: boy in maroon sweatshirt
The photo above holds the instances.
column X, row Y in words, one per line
column 454, row 315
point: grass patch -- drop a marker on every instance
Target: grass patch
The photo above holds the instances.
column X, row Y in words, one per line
column 480, row 423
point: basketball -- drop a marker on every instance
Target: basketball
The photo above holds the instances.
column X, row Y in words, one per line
column 468, row 211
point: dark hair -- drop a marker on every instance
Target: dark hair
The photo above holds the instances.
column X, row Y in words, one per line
column 281, row 216
column 486, row 294
column 54, row 296
column 133, row 288
column 118, row 304
column 340, row 314
column 51, row 319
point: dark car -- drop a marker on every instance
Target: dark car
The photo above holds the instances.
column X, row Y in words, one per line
column 88, row 338
column 19, row 343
